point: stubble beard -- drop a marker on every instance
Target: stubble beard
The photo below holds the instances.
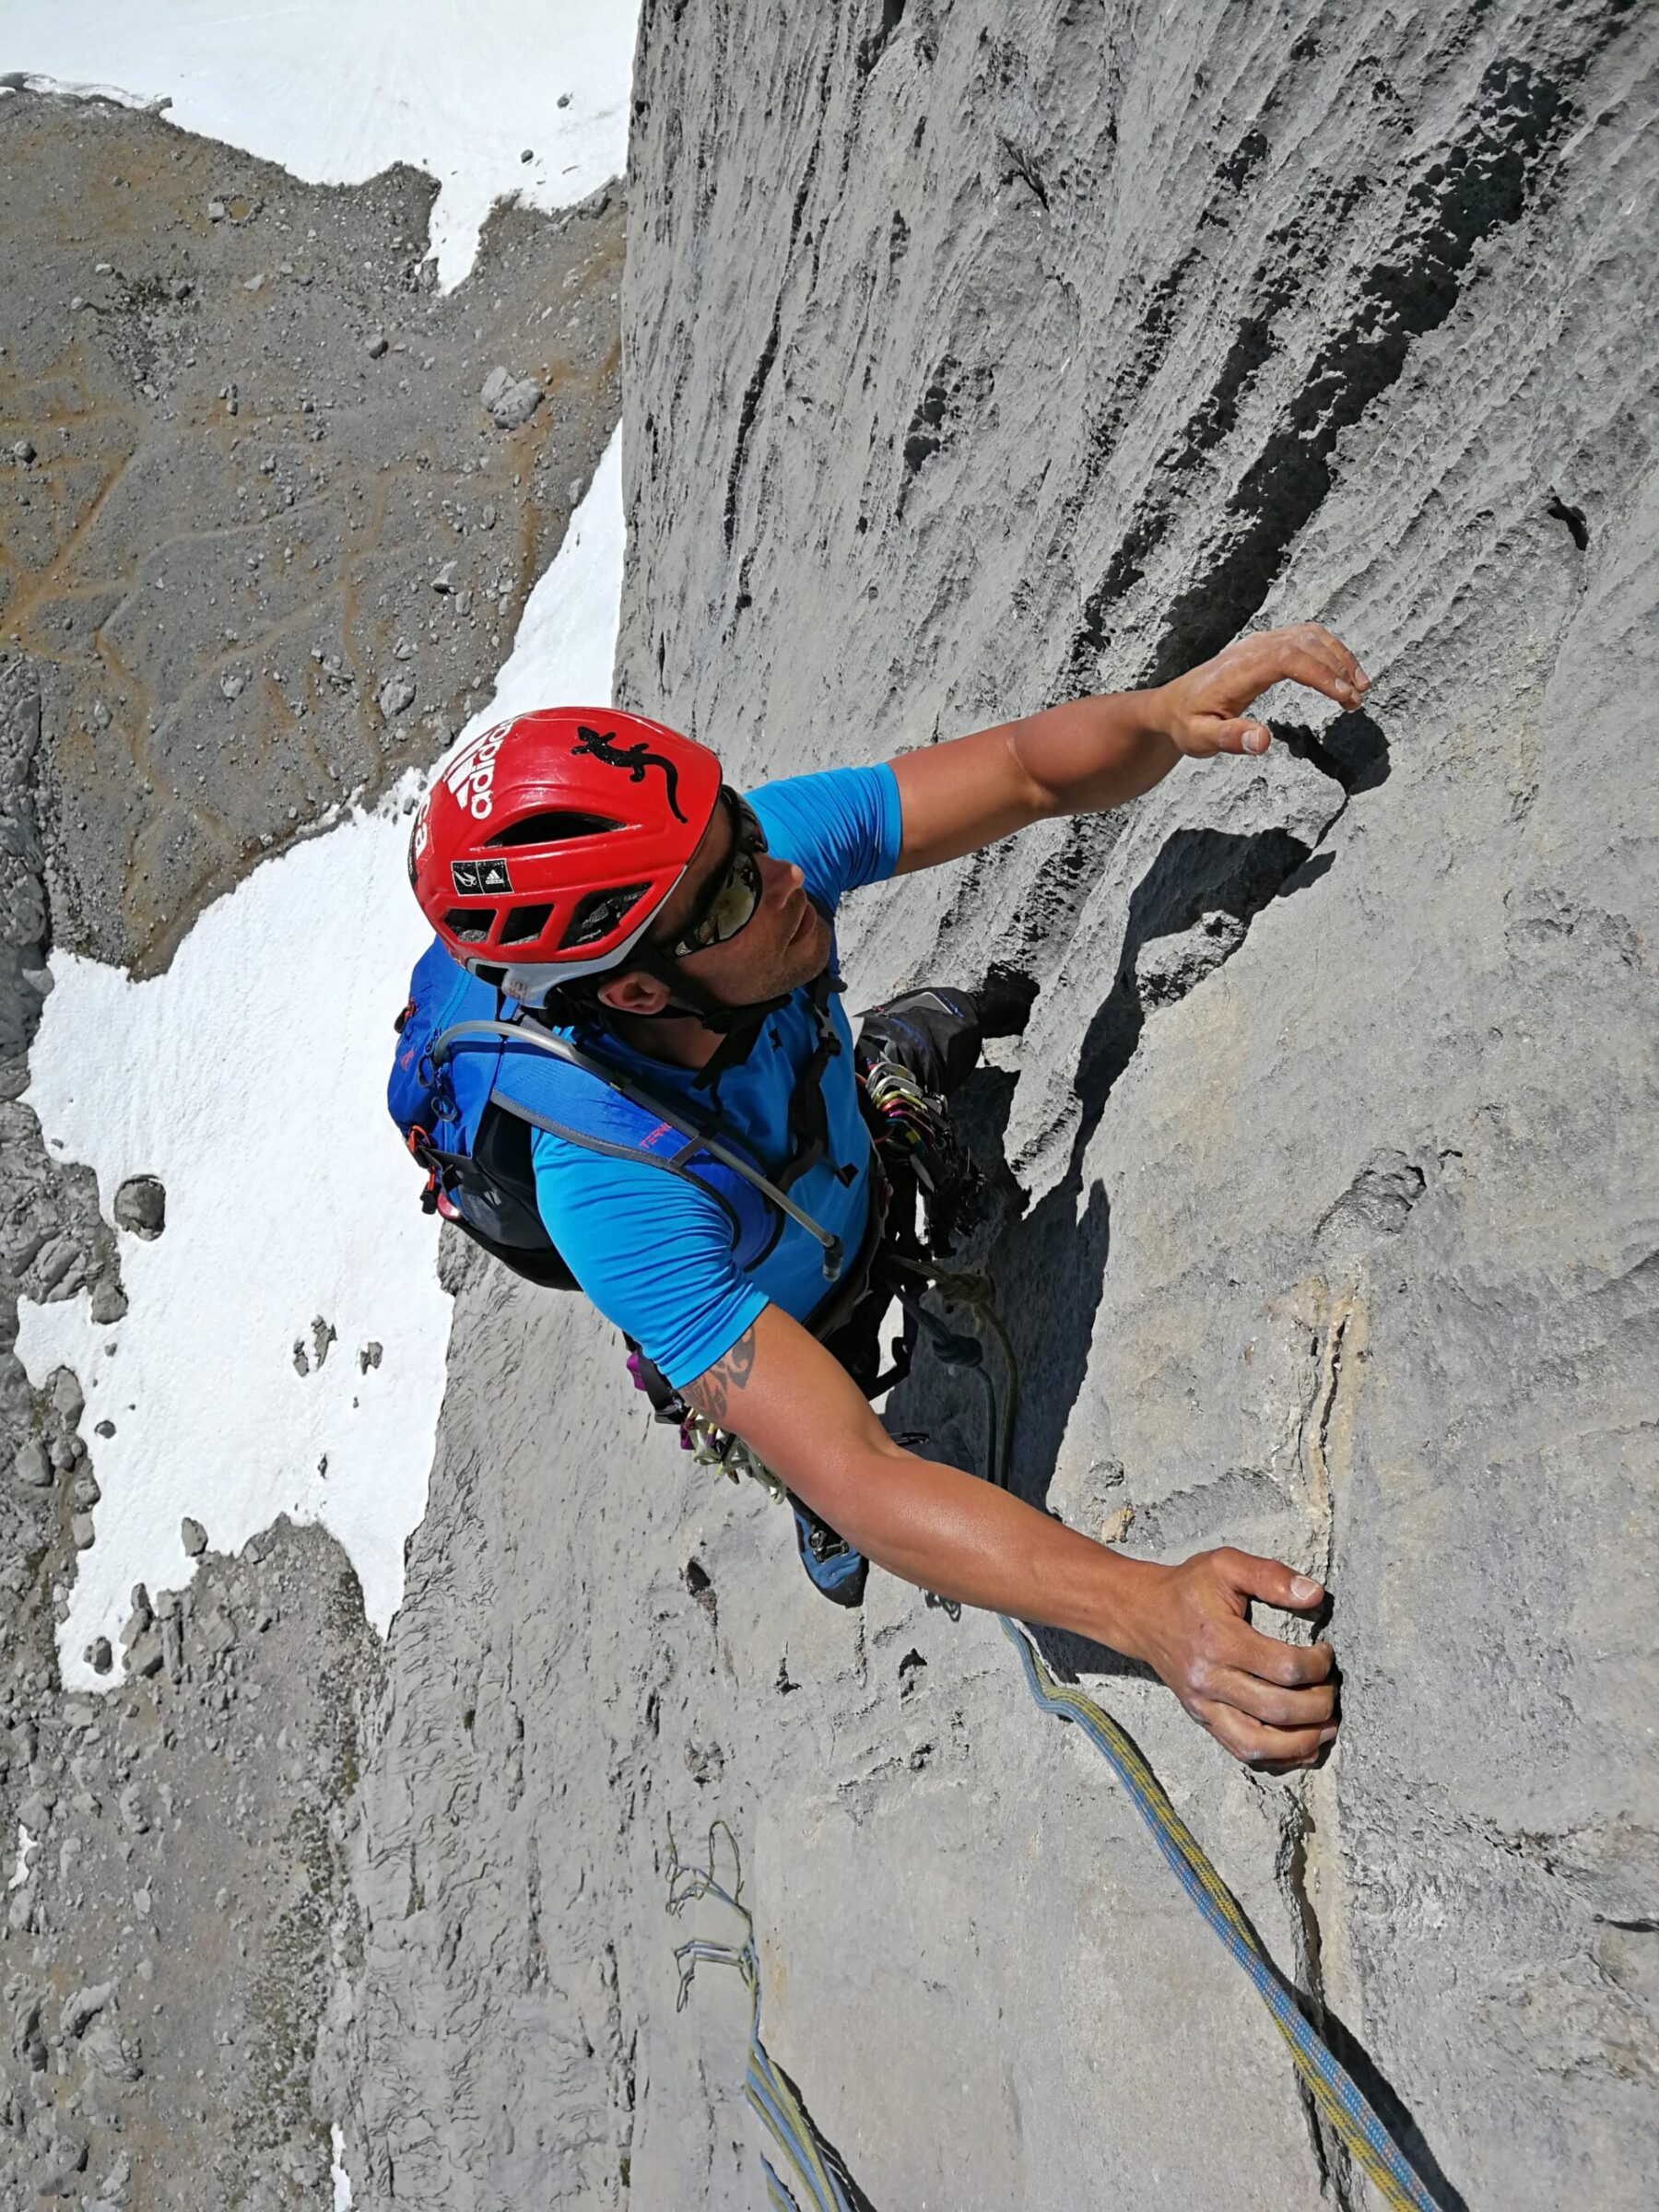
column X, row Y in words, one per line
column 806, row 960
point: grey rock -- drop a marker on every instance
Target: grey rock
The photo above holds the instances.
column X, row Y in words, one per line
column 59, row 2170
column 84, row 2006
column 513, row 409
column 108, row 1303
column 104, row 1428
column 30, row 2039
column 234, row 683
column 31, row 1466
column 495, row 384
column 396, row 695
column 23, row 451
column 145, row 1653
column 369, row 1355
column 56, row 1264
column 64, row 1455
column 84, row 1492
column 142, row 1206
column 193, row 1536
column 101, row 1658
column 82, row 1534
column 444, row 581
column 68, row 1402
column 376, row 345
column 22, row 1249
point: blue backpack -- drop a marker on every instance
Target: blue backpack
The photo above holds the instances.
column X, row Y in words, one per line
column 473, row 1075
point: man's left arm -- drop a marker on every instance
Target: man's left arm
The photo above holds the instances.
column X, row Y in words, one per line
column 1096, row 753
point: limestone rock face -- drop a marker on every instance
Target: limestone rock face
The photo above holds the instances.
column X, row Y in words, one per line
column 982, row 356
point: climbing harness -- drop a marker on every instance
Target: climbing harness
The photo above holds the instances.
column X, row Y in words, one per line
column 824, row 2183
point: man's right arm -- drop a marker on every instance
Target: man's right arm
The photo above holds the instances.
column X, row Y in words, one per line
column 1267, row 1703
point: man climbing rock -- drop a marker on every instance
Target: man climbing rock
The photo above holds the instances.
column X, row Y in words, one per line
column 635, row 984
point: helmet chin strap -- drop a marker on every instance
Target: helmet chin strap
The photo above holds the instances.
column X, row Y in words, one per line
column 688, row 998
column 737, row 1027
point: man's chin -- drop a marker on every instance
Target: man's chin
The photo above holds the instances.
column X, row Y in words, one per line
column 807, row 957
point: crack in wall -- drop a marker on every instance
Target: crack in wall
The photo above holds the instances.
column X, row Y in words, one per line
column 755, row 388
column 1290, row 1868
column 1305, row 1863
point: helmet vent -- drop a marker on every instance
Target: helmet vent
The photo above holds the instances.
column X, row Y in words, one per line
column 552, row 829
column 599, row 914
column 469, row 924
column 524, row 923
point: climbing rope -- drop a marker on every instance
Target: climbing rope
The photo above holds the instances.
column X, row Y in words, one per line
column 1328, row 2082
column 768, row 2089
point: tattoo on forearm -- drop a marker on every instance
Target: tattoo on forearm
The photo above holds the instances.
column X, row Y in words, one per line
column 713, row 1392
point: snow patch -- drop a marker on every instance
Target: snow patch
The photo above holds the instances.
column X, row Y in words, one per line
column 250, row 1080
column 27, row 80
column 338, row 2173
column 27, row 1847
column 337, row 90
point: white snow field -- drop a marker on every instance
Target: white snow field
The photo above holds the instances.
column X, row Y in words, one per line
column 337, row 90
column 251, row 1079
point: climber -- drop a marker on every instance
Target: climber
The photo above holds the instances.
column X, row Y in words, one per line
column 591, row 872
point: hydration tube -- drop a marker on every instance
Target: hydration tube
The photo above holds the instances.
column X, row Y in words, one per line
column 560, row 1048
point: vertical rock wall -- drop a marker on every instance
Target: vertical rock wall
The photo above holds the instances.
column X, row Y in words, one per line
column 976, row 356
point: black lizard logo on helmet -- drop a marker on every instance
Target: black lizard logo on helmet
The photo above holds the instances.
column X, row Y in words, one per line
column 636, row 758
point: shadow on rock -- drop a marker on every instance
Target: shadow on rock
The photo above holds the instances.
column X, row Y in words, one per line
column 1190, row 914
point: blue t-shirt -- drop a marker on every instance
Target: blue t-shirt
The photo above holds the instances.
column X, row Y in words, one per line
column 654, row 1253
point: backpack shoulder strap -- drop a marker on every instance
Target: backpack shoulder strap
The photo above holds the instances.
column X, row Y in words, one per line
column 656, row 1135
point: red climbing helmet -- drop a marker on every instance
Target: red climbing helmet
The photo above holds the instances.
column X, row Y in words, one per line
column 545, row 846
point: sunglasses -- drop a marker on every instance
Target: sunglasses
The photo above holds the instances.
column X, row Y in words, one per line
column 728, row 903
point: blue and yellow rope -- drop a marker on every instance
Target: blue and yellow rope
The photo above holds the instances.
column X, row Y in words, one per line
column 1326, row 2080
column 767, row 2089
column 1332, row 2089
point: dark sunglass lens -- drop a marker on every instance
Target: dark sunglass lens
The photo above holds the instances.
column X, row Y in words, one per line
column 739, row 895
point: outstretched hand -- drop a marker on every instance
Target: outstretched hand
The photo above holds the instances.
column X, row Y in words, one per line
column 1205, row 710
column 1271, row 1704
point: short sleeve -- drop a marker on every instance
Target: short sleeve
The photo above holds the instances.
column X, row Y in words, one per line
column 843, row 828
column 651, row 1252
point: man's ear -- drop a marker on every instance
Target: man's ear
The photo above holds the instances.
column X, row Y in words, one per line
column 633, row 991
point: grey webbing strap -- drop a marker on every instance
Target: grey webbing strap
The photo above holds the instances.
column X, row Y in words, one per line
column 702, row 1140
